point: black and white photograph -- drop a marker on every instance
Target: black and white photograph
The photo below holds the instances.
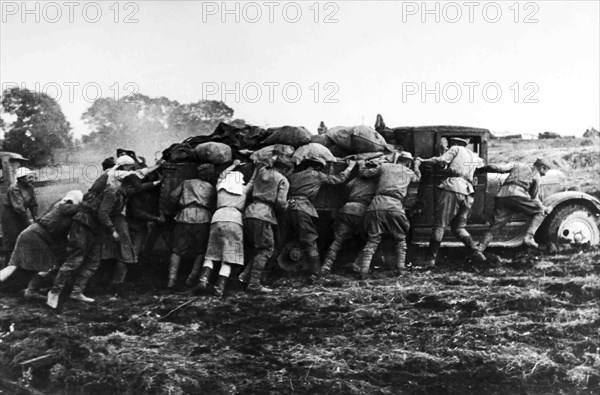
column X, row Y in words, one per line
column 299, row 197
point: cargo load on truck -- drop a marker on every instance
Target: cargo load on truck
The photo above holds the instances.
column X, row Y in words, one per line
column 287, row 144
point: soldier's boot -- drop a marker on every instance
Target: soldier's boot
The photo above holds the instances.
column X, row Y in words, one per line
column 79, row 285
column 245, row 277
column 432, row 253
column 256, row 275
column 314, row 262
column 331, row 255
column 401, row 257
column 7, row 272
column 220, row 285
column 189, row 281
column 363, row 261
column 120, row 273
column 33, row 287
column 173, row 269
column 476, row 255
column 81, row 297
column 529, row 241
column 203, row 282
column 534, row 224
column 487, row 239
column 327, row 265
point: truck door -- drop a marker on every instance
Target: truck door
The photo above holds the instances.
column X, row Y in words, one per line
column 422, row 195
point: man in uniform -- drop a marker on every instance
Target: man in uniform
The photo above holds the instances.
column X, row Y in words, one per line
column 350, row 218
column 196, row 199
column 455, row 198
column 519, row 194
column 269, row 195
column 386, row 213
column 301, row 214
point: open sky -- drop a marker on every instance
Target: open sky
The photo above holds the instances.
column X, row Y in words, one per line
column 518, row 67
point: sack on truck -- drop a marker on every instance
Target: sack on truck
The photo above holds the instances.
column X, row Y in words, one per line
column 273, row 153
column 315, row 152
column 357, row 139
column 295, row 136
column 212, row 152
column 322, row 139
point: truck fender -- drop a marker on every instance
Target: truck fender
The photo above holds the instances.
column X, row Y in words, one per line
column 561, row 197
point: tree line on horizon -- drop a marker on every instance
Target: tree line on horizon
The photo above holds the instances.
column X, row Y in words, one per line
column 135, row 122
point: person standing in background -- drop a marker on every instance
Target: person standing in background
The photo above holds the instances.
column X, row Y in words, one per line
column 20, row 198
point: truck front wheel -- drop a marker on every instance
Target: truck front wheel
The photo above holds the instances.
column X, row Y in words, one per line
column 573, row 224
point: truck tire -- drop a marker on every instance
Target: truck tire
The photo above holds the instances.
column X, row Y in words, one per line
column 573, row 224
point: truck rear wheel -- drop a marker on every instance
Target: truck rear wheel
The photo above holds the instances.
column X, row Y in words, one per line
column 573, row 224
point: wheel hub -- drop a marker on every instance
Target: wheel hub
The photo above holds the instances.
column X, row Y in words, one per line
column 576, row 231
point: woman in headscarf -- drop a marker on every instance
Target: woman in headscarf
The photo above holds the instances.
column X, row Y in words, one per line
column 20, row 197
column 226, row 238
column 41, row 246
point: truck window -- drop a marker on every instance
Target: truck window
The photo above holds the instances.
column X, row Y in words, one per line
column 474, row 144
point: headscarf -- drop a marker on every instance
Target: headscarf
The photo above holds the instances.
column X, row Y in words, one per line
column 75, row 196
column 22, row 172
column 232, row 183
column 125, row 160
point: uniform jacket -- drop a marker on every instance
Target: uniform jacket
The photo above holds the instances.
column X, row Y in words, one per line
column 196, row 198
column 305, row 185
column 462, row 162
column 270, row 192
column 361, row 191
column 523, row 180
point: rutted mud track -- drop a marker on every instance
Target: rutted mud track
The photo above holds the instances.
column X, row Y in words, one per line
column 530, row 325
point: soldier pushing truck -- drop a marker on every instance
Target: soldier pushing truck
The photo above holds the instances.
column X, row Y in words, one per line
column 430, row 188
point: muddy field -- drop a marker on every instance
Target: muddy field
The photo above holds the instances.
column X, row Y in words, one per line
column 525, row 324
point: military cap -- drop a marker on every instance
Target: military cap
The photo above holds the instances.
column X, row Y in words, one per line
column 458, row 140
column 543, row 162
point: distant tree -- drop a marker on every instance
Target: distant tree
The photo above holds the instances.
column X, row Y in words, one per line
column 149, row 124
column 40, row 126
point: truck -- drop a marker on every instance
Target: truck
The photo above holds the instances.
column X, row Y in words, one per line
column 574, row 220
column 51, row 183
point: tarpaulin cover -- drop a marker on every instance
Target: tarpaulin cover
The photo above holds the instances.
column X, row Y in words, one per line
column 236, row 136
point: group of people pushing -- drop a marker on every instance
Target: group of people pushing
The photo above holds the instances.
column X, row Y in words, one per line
column 215, row 215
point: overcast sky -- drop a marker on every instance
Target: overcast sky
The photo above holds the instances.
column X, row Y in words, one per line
column 528, row 68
